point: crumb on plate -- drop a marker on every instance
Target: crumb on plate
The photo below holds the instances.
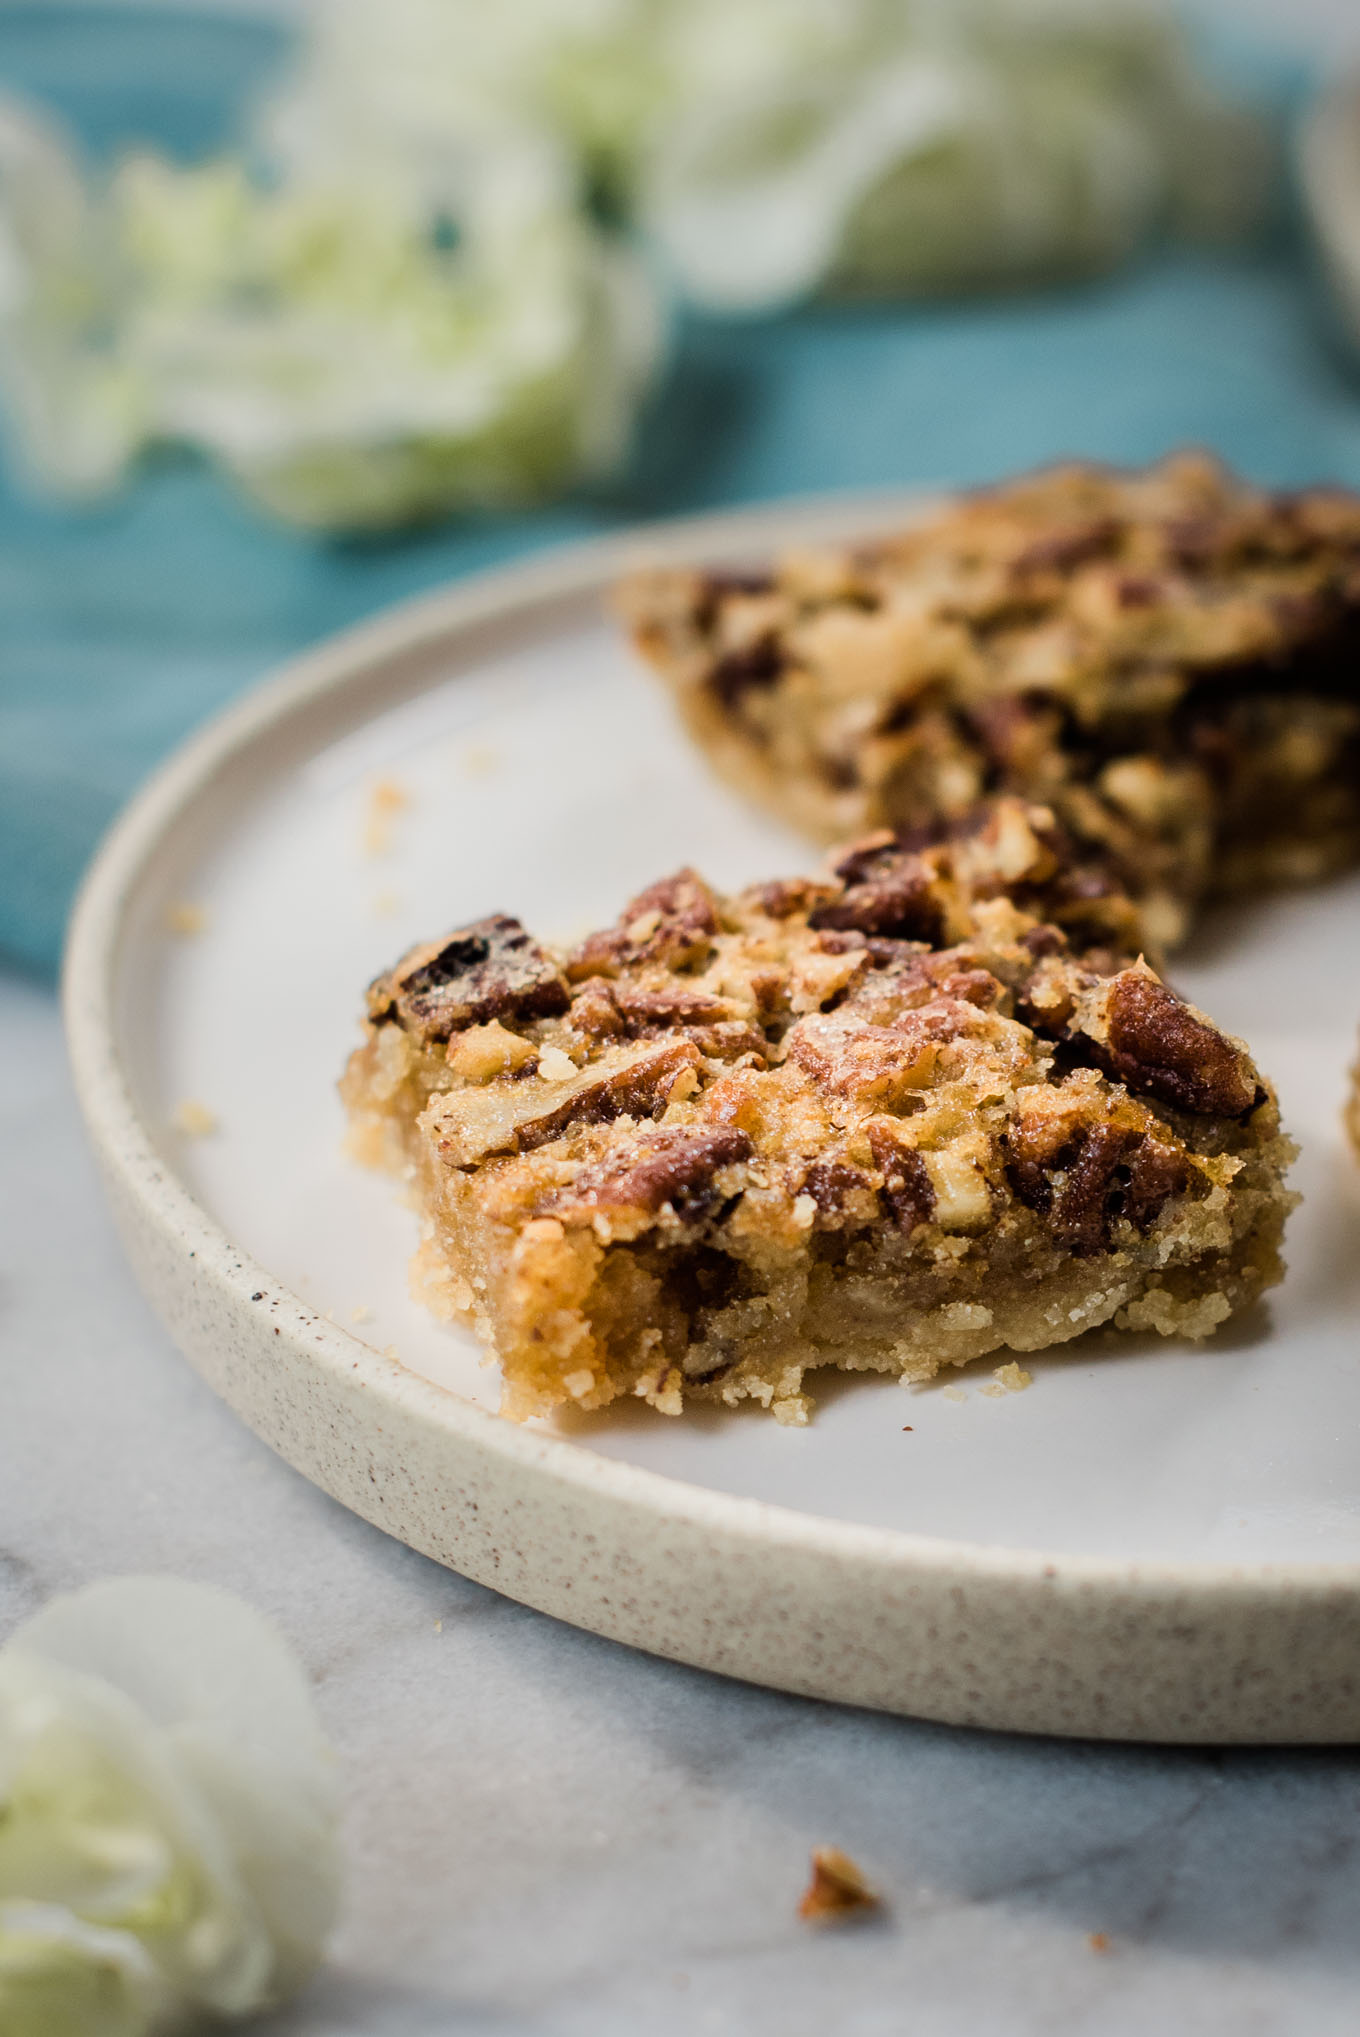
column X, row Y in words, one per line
column 194, row 1119
column 184, row 918
column 386, row 799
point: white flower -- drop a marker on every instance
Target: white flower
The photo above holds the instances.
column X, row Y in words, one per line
column 425, row 82
column 1329, row 166
column 978, row 142
column 167, row 1813
column 60, row 1977
column 70, row 399
column 359, row 347
column 776, row 147
column 418, row 309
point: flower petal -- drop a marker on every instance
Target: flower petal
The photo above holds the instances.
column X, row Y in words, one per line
column 230, row 1710
column 61, row 1977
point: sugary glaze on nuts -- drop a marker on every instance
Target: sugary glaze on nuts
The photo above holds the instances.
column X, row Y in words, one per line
column 1169, row 659
column 922, row 1108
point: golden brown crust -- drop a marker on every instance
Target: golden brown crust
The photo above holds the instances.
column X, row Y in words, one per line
column 887, row 1119
column 1168, row 659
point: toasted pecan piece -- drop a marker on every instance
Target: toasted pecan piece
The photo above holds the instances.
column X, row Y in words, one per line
column 489, row 970
column 515, row 1117
column 1162, row 1047
column 838, row 1888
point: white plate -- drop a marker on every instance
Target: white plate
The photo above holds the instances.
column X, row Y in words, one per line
column 1155, row 1541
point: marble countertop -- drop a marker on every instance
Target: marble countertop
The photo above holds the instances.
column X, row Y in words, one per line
column 550, row 1836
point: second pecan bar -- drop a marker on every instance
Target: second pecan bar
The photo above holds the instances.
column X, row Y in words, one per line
column 1171, row 659
column 927, row 1107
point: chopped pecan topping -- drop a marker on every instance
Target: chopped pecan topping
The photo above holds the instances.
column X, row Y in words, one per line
column 907, row 1187
column 1015, row 732
column 1138, row 590
column 1043, row 940
column 719, row 585
column 489, row 970
column 594, row 1010
column 1046, row 1000
column 520, row 1116
column 907, row 978
column 1308, row 615
column 748, row 670
column 973, row 986
column 669, row 1004
column 888, row 890
column 1060, row 550
column 1193, row 541
column 1081, row 1212
column 1084, row 1177
column 729, row 1041
column 847, row 1054
column 1159, row 1047
column 785, row 896
column 834, row 1186
column 674, row 1167
column 1157, row 1172
column 603, row 1009
column 770, row 989
column 672, row 922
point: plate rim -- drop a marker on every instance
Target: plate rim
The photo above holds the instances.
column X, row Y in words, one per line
column 139, row 1169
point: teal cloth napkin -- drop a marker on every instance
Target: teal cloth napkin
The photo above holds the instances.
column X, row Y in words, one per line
column 123, row 627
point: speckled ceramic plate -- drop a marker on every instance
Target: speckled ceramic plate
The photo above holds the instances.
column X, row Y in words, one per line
column 1152, row 1542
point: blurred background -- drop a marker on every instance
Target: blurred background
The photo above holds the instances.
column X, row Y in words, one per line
column 303, row 310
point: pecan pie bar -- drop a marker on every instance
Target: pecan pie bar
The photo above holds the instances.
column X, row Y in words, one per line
column 922, row 1109
column 1169, row 659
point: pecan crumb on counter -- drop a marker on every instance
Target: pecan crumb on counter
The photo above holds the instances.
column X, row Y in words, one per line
column 928, row 1106
column 837, row 1889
